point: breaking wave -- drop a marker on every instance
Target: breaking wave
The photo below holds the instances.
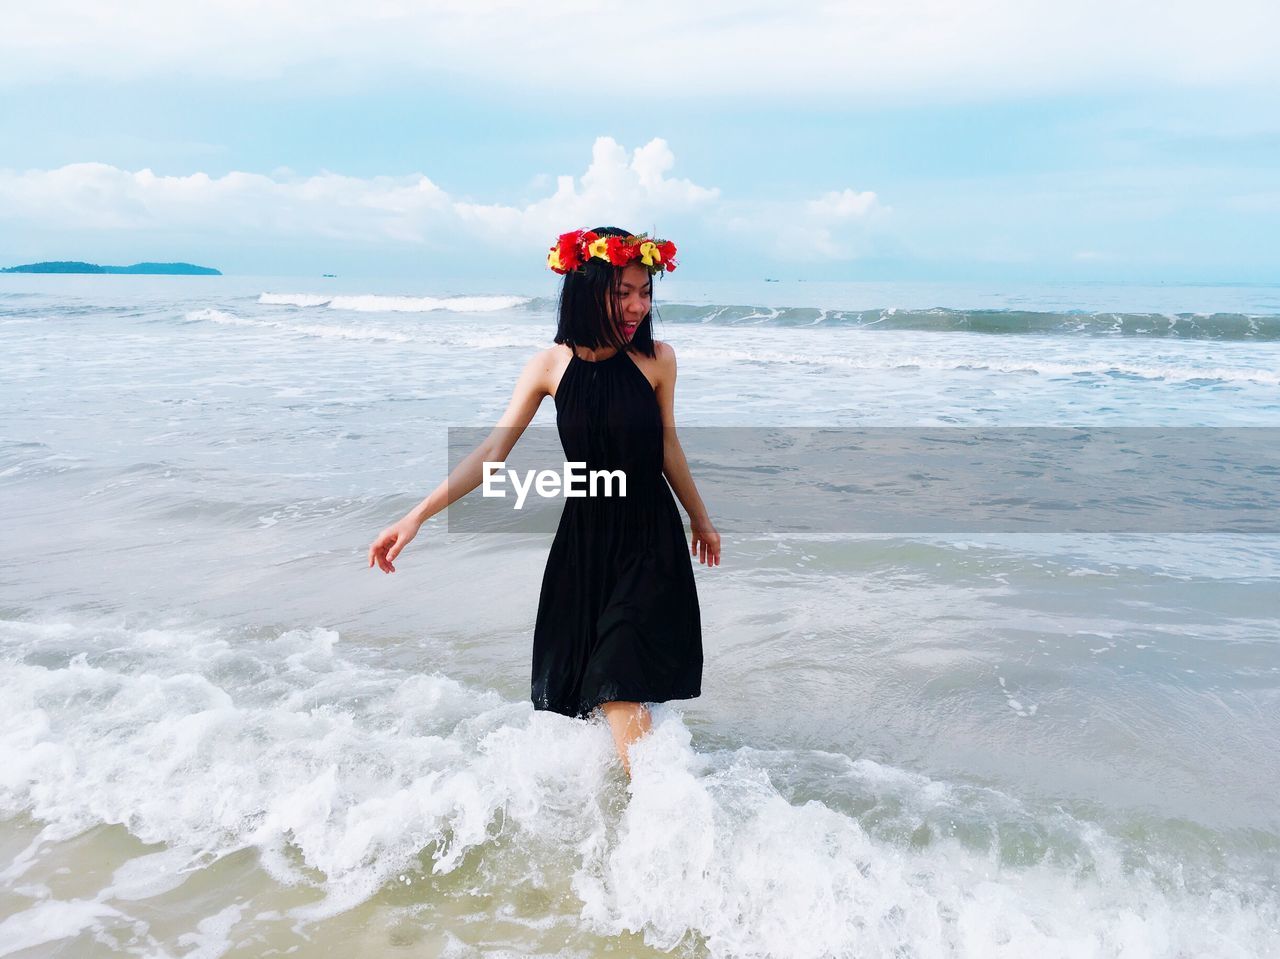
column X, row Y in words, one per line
column 373, row 303
column 349, row 777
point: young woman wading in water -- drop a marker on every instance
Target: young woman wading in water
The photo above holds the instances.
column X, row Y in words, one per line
column 618, row 622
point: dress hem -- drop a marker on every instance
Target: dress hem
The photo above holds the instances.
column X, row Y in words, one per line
column 582, row 712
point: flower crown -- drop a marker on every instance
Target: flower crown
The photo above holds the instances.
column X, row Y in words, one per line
column 572, row 250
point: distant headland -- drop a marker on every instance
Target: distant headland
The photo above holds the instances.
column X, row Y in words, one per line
column 75, row 266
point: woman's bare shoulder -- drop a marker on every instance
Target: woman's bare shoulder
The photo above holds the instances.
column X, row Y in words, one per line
column 664, row 353
column 546, row 353
column 664, row 365
column 551, row 364
column 542, row 370
column 552, row 357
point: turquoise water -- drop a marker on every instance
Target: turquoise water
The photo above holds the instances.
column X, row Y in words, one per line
column 223, row 736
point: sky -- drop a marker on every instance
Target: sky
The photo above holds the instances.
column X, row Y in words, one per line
column 914, row 139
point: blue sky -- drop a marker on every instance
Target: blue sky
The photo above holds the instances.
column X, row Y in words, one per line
column 879, row 141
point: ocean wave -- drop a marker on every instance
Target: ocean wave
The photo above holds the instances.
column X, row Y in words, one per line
column 373, row 303
column 349, row 777
column 1211, row 326
column 222, row 317
column 322, row 330
column 498, row 340
column 1192, row 326
column 907, row 361
column 1119, row 369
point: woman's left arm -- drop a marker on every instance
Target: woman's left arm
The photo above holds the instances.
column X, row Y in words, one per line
column 705, row 540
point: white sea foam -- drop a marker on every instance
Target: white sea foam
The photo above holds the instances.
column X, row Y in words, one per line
column 322, row 330
column 1169, row 373
column 712, row 846
column 336, row 769
column 221, row 316
column 151, row 875
column 374, row 303
column 295, row 299
column 499, row 338
column 50, row 920
column 212, row 936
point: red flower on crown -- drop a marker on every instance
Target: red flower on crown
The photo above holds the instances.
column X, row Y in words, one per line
column 565, row 253
column 667, row 250
column 619, row 253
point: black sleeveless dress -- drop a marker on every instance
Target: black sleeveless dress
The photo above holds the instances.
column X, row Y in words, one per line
column 618, row 615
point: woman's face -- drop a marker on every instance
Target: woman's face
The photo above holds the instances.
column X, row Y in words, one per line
column 635, row 295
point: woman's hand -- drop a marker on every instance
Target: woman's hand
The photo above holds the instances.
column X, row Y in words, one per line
column 706, row 543
column 390, row 542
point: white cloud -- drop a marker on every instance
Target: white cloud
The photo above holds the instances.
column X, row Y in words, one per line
column 843, row 204
column 616, row 189
column 632, row 189
column 871, row 50
column 839, row 225
column 96, row 196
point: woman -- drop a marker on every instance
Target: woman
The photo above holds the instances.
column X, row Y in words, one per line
column 618, row 621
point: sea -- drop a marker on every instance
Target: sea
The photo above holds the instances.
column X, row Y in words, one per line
column 223, row 735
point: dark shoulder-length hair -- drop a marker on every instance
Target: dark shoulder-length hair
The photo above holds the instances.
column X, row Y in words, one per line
column 584, row 306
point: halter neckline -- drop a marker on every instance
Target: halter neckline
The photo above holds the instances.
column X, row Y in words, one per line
column 616, row 354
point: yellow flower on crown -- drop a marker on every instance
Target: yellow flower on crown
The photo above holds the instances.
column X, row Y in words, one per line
column 599, row 247
column 649, row 254
column 553, row 260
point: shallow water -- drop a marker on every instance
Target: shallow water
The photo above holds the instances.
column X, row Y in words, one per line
column 223, row 736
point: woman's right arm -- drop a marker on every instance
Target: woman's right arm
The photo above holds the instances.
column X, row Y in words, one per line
column 535, row 382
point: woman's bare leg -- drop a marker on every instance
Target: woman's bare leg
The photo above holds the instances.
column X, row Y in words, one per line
column 628, row 722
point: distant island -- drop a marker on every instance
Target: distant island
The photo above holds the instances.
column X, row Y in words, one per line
column 75, row 266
